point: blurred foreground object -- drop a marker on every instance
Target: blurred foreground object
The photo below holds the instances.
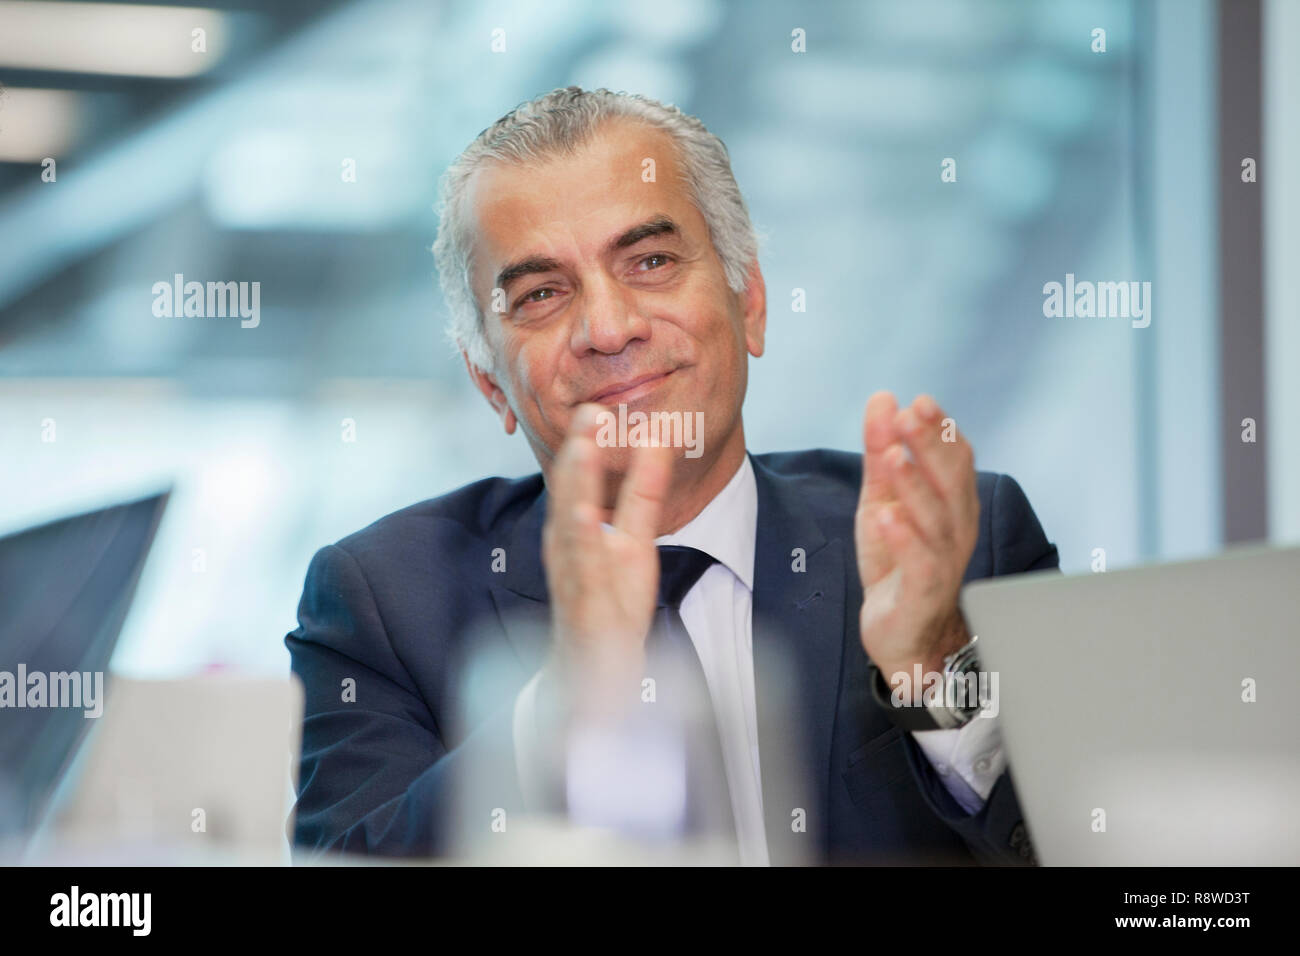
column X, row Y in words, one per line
column 65, row 588
column 1148, row 713
column 185, row 770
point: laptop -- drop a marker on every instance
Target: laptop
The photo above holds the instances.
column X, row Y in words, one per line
column 1148, row 715
column 65, row 588
column 192, row 770
column 164, row 771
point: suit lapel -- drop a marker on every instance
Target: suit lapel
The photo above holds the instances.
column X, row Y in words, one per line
column 799, row 633
column 520, row 596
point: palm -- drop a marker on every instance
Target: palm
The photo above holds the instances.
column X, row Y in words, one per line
column 603, row 570
column 914, row 531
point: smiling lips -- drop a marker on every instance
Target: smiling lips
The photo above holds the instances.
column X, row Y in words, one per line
column 631, row 389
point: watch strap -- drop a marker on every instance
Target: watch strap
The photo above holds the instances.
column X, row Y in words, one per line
column 905, row 718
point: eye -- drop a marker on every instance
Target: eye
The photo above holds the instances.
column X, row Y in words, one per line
column 534, row 296
column 650, row 258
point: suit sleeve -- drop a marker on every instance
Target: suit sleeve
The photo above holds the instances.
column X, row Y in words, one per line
column 996, row 833
column 376, row 776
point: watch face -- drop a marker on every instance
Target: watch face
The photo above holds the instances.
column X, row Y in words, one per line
column 963, row 670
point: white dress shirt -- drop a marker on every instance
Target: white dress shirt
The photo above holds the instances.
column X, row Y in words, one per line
column 717, row 614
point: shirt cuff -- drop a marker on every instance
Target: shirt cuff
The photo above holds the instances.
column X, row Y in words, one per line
column 968, row 759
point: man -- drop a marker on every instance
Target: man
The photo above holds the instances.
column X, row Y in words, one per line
column 597, row 255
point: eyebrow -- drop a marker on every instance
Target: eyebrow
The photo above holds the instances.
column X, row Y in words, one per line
column 655, row 226
column 658, row 226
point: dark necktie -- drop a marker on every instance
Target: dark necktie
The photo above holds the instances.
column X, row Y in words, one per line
column 681, row 689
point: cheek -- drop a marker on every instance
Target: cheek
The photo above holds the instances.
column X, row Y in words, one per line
column 704, row 314
column 725, row 336
column 538, row 383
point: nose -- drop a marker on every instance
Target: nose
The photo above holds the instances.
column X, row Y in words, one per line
column 608, row 319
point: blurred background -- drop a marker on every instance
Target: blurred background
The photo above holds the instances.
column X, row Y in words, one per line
column 298, row 145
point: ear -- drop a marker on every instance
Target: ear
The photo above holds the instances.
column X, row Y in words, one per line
column 486, row 384
column 754, row 302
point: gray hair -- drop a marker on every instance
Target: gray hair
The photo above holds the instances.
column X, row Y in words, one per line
column 558, row 122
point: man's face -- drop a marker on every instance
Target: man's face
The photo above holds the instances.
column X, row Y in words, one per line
column 612, row 292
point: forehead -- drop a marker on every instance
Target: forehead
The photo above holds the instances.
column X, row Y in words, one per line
column 571, row 204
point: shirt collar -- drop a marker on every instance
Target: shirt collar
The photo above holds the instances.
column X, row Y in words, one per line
column 727, row 526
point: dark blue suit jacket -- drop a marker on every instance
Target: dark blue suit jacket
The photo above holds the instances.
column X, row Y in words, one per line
column 399, row 606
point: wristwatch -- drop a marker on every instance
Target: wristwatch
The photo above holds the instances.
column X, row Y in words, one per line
column 942, row 714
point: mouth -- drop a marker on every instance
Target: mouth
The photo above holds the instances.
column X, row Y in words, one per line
column 631, row 389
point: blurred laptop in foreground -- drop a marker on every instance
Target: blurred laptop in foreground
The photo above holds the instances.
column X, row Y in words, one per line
column 66, row 587
column 1148, row 713
column 122, row 771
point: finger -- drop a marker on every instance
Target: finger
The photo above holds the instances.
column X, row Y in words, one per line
column 945, row 464
column 573, row 512
column 874, row 560
column 588, row 505
column 930, row 411
column 877, row 435
column 641, row 496
column 588, row 473
column 920, row 503
column 560, row 483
